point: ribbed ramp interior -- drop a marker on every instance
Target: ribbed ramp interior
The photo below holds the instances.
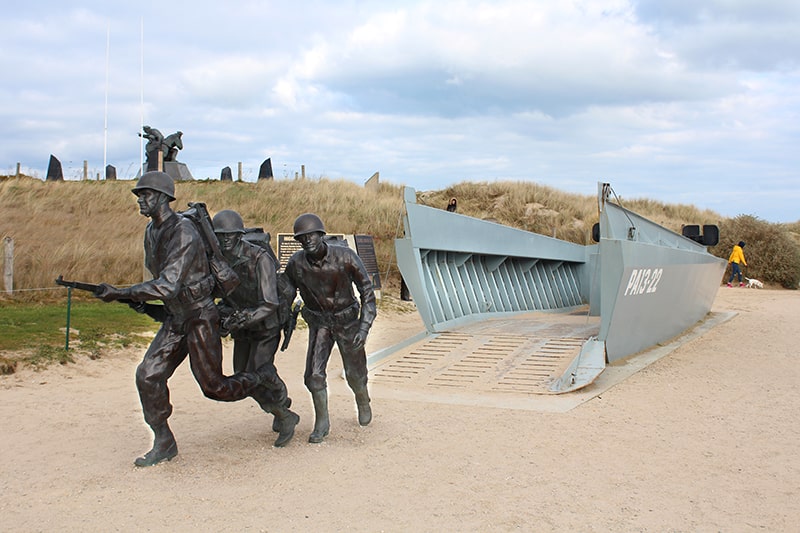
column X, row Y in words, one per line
column 463, row 284
column 519, row 355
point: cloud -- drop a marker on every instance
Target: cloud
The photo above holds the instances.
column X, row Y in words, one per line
column 678, row 99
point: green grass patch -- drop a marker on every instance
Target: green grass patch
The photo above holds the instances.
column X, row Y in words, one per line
column 45, row 355
column 27, row 327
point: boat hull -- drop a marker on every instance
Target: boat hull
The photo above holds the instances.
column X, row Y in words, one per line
column 645, row 282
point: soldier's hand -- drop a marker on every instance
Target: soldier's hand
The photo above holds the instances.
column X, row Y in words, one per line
column 360, row 339
column 246, row 319
column 107, row 293
column 234, row 322
column 225, row 323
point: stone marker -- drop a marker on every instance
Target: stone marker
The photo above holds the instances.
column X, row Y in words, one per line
column 54, row 172
column 265, row 172
column 373, row 183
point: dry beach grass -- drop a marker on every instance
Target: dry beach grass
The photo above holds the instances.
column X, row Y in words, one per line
column 92, row 230
column 704, row 439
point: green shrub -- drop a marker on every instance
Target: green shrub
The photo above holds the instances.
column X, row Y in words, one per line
column 771, row 251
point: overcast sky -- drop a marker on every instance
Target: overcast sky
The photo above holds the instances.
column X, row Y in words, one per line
column 680, row 101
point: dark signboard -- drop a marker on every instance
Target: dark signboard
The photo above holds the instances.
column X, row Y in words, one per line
column 365, row 248
column 287, row 246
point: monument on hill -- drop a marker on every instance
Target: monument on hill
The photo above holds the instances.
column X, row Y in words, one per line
column 54, row 170
column 265, row 171
column 162, row 153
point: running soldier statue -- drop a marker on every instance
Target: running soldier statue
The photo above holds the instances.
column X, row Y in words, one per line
column 250, row 315
column 325, row 274
column 175, row 254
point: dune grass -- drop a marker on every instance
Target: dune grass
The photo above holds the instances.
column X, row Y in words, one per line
column 92, row 231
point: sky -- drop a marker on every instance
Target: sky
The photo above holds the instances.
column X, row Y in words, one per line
column 690, row 102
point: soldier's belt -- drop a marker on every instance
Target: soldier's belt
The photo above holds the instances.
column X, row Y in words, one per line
column 330, row 318
column 190, row 298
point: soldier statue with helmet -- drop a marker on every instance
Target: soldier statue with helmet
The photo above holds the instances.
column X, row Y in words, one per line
column 325, row 276
column 250, row 314
column 175, row 254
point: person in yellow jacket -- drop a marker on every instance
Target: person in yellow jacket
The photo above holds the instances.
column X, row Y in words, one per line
column 736, row 260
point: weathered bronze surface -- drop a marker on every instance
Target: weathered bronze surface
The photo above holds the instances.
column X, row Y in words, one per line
column 175, row 254
column 325, row 275
column 250, row 314
column 156, row 142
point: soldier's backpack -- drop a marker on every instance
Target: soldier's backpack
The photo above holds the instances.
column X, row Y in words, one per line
column 286, row 291
column 225, row 278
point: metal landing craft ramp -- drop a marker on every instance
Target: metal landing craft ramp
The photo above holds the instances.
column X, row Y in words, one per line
column 508, row 363
column 516, row 356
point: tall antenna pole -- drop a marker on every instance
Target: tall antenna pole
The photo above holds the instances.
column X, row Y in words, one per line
column 105, row 115
column 141, row 107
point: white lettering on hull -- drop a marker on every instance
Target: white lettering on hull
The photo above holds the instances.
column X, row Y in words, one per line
column 643, row 281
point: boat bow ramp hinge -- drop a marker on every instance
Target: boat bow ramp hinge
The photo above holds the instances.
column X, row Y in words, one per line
column 584, row 369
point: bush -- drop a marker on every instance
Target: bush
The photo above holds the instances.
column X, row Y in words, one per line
column 771, row 251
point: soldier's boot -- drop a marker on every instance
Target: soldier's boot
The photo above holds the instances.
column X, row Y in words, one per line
column 164, row 447
column 287, row 421
column 364, row 410
column 322, row 423
column 276, row 423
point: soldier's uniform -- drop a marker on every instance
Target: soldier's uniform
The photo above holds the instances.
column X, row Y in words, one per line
column 175, row 254
column 334, row 315
column 252, row 308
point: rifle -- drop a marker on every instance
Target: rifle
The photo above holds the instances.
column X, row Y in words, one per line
column 224, row 275
column 290, row 326
column 154, row 311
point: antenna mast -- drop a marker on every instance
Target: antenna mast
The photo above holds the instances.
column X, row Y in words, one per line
column 141, row 102
column 105, row 114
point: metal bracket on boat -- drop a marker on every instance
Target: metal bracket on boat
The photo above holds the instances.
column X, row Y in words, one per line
column 584, row 369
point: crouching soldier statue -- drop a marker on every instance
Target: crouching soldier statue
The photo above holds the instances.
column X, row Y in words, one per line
column 175, row 254
column 250, row 314
column 325, row 274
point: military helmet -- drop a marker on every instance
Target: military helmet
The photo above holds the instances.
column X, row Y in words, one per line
column 228, row 221
column 157, row 181
column 308, row 223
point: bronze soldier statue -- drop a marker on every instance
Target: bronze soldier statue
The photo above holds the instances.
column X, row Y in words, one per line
column 325, row 274
column 155, row 143
column 250, row 314
column 176, row 256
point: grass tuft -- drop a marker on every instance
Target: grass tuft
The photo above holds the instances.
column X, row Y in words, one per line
column 44, row 355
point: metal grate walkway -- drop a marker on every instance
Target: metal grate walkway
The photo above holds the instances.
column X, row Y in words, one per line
column 518, row 355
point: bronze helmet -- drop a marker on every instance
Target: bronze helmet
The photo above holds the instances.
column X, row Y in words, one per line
column 228, row 221
column 308, row 223
column 157, row 181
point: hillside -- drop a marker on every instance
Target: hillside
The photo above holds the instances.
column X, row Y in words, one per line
column 92, row 231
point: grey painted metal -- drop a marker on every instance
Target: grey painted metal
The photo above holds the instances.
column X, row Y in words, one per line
column 655, row 283
column 583, row 370
column 459, row 269
column 647, row 283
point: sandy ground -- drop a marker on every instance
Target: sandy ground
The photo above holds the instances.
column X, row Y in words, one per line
column 704, row 439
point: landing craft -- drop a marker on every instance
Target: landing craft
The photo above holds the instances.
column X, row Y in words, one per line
column 507, row 310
